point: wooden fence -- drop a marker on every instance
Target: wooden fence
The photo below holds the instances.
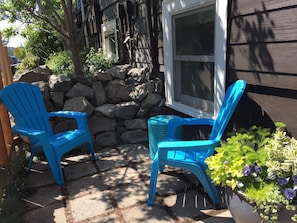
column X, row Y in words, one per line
column 6, row 138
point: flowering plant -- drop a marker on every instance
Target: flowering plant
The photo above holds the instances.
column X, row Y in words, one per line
column 262, row 164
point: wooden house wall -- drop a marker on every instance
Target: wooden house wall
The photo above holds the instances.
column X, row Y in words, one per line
column 147, row 30
column 262, row 49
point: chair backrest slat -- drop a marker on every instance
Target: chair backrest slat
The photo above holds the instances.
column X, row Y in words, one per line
column 25, row 103
column 230, row 102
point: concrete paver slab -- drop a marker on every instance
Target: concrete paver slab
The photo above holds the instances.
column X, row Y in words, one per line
column 79, row 170
column 114, row 189
column 85, row 185
column 145, row 213
column 122, row 175
column 130, row 194
column 49, row 214
column 90, row 205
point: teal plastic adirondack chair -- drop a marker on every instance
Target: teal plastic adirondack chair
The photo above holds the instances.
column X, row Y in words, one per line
column 190, row 155
column 25, row 103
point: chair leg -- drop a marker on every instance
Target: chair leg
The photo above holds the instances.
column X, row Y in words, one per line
column 30, row 162
column 34, row 150
column 56, row 169
column 209, row 187
column 153, row 182
column 92, row 151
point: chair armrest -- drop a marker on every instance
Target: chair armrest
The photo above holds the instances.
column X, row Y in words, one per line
column 26, row 131
column 80, row 117
column 166, row 146
column 32, row 134
column 176, row 122
column 188, row 145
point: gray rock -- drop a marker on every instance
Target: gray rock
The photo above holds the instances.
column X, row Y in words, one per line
column 104, row 77
column 80, row 90
column 151, row 100
column 134, row 136
column 43, row 69
column 58, row 99
column 107, row 110
column 100, row 124
column 78, row 104
column 99, row 93
column 143, row 112
column 110, row 138
column 136, row 124
column 43, row 88
column 121, row 126
column 139, row 92
column 83, row 80
column 59, row 83
column 31, row 76
column 117, row 89
column 139, row 72
column 126, row 110
column 119, row 71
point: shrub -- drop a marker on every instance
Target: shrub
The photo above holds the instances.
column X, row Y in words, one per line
column 28, row 62
column 96, row 62
column 11, row 189
column 60, row 63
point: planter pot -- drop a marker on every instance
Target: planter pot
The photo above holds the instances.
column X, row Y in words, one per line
column 243, row 212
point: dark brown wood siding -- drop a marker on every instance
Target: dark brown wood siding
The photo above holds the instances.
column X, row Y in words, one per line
column 262, row 49
column 146, row 34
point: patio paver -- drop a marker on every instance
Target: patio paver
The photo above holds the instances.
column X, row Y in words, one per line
column 114, row 189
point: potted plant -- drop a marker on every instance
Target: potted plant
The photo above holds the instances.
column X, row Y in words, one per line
column 260, row 166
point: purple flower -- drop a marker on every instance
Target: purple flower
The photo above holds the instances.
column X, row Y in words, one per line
column 294, row 178
column 283, row 181
column 289, row 193
column 258, row 169
column 246, row 171
column 252, row 167
column 225, row 162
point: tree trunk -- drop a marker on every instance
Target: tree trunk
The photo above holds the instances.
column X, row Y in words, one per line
column 73, row 47
column 72, row 37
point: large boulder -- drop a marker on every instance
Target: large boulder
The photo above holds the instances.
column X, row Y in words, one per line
column 80, row 104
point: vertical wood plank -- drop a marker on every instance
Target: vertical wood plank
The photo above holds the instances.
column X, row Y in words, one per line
column 6, row 139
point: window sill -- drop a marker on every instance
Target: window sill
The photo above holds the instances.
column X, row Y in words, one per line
column 193, row 112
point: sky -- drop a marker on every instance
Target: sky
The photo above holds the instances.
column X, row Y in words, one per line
column 15, row 41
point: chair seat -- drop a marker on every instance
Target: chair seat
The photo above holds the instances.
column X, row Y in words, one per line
column 186, row 157
column 64, row 141
column 66, row 138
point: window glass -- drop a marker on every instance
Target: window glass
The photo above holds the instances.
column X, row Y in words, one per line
column 197, row 80
column 110, row 42
column 195, row 32
column 193, row 59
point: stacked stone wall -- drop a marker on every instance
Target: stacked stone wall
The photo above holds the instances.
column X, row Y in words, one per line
column 118, row 102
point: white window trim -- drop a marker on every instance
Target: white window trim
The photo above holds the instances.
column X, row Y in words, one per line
column 107, row 28
column 173, row 7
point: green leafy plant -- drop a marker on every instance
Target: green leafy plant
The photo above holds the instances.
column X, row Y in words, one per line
column 28, row 62
column 12, row 188
column 96, row 62
column 60, row 63
column 262, row 164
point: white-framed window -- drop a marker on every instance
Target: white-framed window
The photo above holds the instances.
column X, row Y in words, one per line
column 110, row 40
column 194, row 40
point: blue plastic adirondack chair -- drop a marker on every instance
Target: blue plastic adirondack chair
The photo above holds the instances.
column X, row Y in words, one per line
column 25, row 103
column 190, row 155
